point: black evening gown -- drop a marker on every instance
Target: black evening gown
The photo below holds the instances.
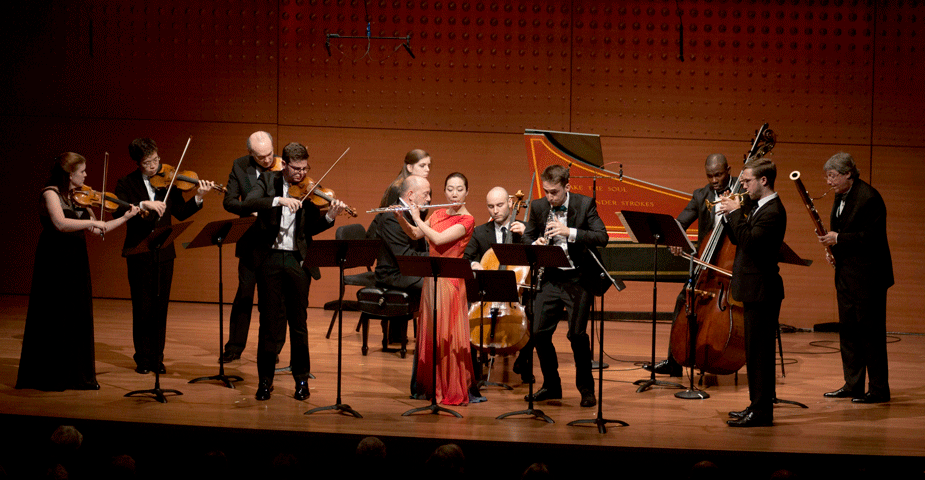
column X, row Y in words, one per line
column 57, row 346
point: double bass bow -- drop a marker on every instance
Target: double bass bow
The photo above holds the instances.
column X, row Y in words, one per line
column 719, row 344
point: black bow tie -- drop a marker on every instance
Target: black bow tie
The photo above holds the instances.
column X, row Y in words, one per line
column 560, row 208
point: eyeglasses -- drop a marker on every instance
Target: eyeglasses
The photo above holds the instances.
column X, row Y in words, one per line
column 151, row 162
column 299, row 170
column 833, row 175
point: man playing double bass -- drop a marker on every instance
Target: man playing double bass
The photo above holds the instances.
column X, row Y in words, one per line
column 720, row 182
column 756, row 282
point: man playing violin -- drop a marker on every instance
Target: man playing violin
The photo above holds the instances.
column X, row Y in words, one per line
column 150, row 274
column 243, row 177
column 284, row 229
column 720, row 182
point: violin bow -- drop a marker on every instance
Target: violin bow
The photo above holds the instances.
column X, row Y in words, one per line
column 309, row 193
column 103, row 192
column 175, row 172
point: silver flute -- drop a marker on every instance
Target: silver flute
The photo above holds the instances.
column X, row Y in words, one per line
column 405, row 209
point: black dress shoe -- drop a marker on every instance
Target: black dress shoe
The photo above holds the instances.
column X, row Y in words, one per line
column 666, row 367
column 263, row 389
column 545, row 394
column 752, row 419
column 842, row 392
column 587, row 399
column 740, row 413
column 230, row 357
column 872, row 398
column 142, row 370
column 301, row 390
column 161, row 369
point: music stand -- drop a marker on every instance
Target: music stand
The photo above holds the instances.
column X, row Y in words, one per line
column 435, row 267
column 654, row 229
column 154, row 242
column 491, row 286
column 342, row 254
column 599, row 420
column 219, row 233
column 536, row 256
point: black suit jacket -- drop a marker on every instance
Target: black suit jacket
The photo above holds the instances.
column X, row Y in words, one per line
column 758, row 239
column 862, row 255
column 697, row 210
column 241, row 181
column 131, row 188
column 591, row 233
column 309, row 219
column 395, row 242
column 483, row 236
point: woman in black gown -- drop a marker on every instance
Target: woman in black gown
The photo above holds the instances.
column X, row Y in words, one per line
column 57, row 348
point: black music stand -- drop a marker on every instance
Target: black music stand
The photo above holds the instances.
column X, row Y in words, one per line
column 599, row 420
column 536, row 256
column 435, row 267
column 491, row 286
column 154, row 242
column 342, row 254
column 692, row 392
column 654, row 229
column 219, row 233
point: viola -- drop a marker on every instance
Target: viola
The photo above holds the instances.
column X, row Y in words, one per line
column 90, row 198
column 185, row 180
column 318, row 195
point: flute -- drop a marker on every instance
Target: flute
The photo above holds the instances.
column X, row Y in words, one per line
column 405, row 209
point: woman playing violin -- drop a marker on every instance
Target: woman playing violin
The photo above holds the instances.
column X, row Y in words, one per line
column 150, row 273
column 57, row 350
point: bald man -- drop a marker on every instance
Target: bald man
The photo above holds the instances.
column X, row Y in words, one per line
column 496, row 230
column 245, row 171
column 717, row 170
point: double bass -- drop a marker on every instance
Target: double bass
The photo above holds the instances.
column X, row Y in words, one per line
column 719, row 344
column 504, row 328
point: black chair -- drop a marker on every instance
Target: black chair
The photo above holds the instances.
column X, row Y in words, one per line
column 366, row 279
column 394, row 308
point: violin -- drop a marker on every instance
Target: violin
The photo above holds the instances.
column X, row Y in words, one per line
column 185, row 180
column 90, row 198
column 320, row 196
column 277, row 164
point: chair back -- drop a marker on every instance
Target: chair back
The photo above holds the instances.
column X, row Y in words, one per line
column 354, row 231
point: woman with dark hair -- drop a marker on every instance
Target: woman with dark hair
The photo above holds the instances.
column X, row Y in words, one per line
column 448, row 231
column 57, row 347
column 417, row 162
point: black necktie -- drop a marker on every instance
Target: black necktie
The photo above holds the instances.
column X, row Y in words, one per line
column 504, row 236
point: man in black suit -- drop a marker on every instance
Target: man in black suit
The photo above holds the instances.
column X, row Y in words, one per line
column 496, row 229
column 756, row 282
column 571, row 221
column 414, row 190
column 863, row 273
column 502, row 228
column 285, row 227
column 717, row 170
column 245, row 171
column 150, row 274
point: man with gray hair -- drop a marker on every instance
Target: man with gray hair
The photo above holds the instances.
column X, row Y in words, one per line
column 863, row 273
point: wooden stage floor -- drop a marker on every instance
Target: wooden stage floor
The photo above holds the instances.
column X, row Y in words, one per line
column 828, row 433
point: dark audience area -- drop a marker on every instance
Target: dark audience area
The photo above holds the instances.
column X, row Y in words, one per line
column 98, row 450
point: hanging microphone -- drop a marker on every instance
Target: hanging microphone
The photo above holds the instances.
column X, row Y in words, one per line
column 327, row 46
column 408, row 48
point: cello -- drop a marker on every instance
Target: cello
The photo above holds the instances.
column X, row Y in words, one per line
column 504, row 328
column 719, row 345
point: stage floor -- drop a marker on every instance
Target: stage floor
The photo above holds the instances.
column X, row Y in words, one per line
column 377, row 387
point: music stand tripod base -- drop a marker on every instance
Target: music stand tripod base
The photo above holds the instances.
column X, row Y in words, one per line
column 340, row 407
column 156, row 391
